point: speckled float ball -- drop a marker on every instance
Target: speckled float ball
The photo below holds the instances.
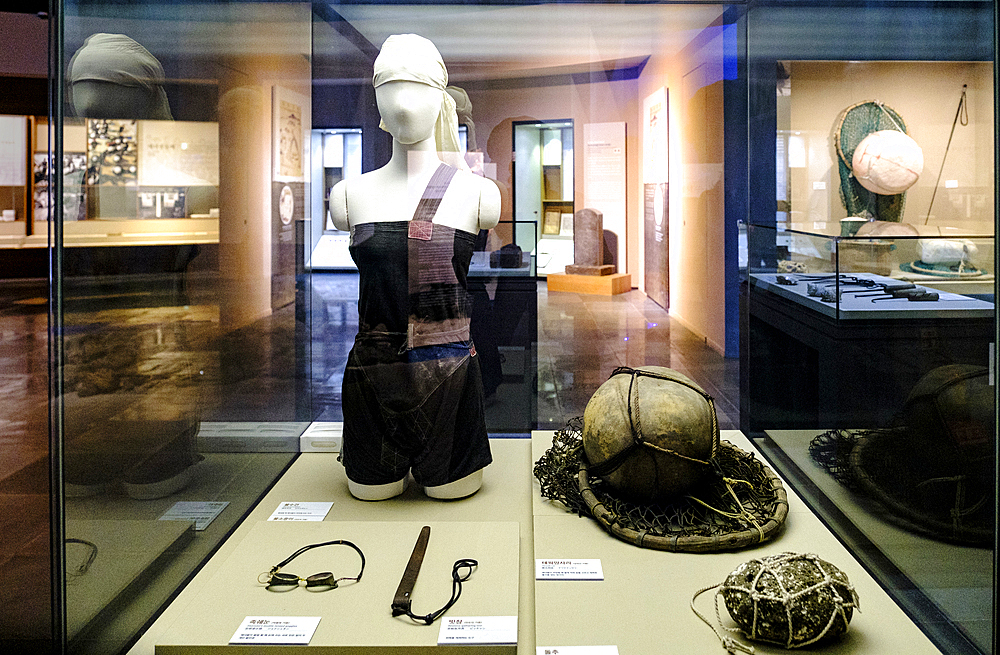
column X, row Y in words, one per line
column 790, row 599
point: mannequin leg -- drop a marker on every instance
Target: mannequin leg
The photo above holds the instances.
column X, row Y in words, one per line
column 461, row 488
column 376, row 491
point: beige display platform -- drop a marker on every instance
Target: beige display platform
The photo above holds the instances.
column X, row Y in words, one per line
column 503, row 498
column 356, row 617
column 957, row 578
column 642, row 605
column 602, row 285
column 125, row 550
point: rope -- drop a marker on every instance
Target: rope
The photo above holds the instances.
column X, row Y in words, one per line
column 731, row 645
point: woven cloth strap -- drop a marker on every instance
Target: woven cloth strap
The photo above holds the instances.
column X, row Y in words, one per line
column 420, row 225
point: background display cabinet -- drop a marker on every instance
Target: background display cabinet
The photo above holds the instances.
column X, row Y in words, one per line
column 868, row 310
column 543, row 190
column 843, row 328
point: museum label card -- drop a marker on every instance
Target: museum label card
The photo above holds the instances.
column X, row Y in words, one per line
column 576, row 650
column 478, row 630
column 201, row 513
column 276, row 630
column 568, row 569
column 290, row 511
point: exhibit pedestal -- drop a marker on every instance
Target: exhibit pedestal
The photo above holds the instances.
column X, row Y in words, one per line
column 507, row 526
column 356, row 616
column 601, row 285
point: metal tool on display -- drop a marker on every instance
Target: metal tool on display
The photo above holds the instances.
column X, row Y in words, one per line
column 461, row 570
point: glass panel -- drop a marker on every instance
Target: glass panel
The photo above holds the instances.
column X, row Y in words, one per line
column 549, row 70
column 870, row 315
column 184, row 294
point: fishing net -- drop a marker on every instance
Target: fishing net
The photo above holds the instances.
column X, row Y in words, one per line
column 855, row 123
column 922, row 493
column 739, row 504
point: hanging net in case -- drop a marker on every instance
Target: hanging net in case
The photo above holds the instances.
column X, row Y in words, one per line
column 739, row 503
column 855, row 123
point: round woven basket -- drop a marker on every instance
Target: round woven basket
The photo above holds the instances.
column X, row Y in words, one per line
column 878, row 466
column 762, row 527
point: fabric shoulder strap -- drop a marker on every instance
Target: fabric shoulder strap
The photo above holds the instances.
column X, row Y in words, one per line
column 433, row 193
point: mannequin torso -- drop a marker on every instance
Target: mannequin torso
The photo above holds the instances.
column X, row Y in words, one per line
column 392, row 193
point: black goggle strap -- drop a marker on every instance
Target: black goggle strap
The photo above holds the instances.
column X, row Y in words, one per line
column 274, row 577
column 457, row 578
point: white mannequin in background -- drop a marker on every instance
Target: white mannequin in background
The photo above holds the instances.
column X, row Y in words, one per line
column 410, row 112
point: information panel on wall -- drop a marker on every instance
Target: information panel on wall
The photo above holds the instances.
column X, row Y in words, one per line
column 604, row 182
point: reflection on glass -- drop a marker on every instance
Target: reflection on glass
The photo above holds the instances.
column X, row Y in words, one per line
column 179, row 293
column 870, row 316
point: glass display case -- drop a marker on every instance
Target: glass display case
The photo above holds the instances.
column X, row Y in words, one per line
column 845, row 326
column 202, row 307
column 868, row 311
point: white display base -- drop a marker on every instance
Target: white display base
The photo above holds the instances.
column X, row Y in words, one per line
column 503, row 498
column 641, row 606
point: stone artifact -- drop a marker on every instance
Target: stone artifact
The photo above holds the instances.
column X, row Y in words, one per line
column 588, row 244
column 789, row 599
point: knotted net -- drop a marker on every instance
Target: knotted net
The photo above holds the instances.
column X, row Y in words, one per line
column 740, row 503
column 855, row 123
column 788, row 599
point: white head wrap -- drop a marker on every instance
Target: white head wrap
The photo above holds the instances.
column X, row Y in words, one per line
column 412, row 58
column 119, row 59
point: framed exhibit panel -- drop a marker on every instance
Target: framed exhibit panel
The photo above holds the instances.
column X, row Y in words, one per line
column 870, row 294
column 15, row 133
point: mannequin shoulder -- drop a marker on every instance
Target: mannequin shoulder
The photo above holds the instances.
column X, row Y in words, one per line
column 338, row 206
column 489, row 202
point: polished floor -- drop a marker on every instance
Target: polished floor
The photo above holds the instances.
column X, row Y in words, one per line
column 157, row 350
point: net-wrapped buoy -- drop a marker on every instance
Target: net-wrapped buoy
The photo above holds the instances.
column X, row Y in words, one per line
column 650, row 433
column 789, row 599
column 887, row 162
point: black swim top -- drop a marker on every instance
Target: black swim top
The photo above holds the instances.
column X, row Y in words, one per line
column 413, row 274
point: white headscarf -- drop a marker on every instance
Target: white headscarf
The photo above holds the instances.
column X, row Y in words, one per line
column 412, row 58
column 119, row 59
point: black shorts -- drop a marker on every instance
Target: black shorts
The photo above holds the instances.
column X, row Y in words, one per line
column 418, row 410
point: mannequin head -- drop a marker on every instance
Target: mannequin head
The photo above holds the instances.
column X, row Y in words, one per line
column 112, row 76
column 409, row 110
column 409, row 69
